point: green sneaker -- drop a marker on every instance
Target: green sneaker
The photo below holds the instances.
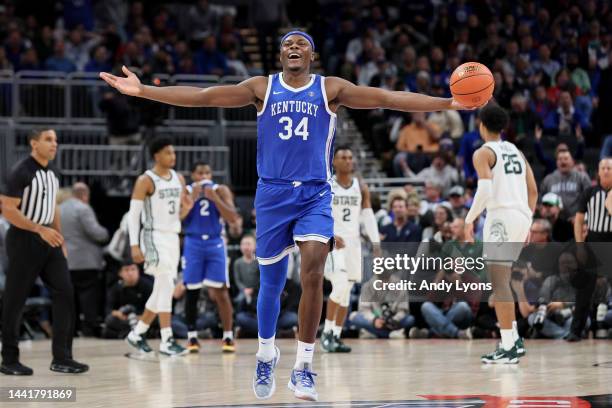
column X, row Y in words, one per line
column 520, row 347
column 139, row 343
column 501, row 356
column 327, row 342
column 340, row 346
column 172, row 348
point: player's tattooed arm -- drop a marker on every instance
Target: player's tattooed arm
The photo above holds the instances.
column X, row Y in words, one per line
column 249, row 92
column 345, row 93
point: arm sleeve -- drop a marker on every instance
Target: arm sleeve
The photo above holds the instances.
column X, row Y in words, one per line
column 483, row 193
column 134, row 221
column 369, row 223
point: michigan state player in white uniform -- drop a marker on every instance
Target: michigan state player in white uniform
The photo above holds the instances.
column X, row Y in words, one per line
column 296, row 122
column 159, row 201
column 508, row 191
column 351, row 207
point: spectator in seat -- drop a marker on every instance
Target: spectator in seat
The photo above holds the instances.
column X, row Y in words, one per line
column 402, row 229
column 449, row 122
column 567, row 182
column 540, row 104
column 440, row 171
column 565, row 121
column 202, row 21
column 522, row 120
column 554, row 317
column 550, row 209
column 58, row 61
column 79, row 46
column 380, row 312
column 456, row 198
column 470, row 142
column 416, row 138
column 246, row 270
column 451, row 314
column 83, row 236
column 209, row 60
column 126, row 301
column 100, row 61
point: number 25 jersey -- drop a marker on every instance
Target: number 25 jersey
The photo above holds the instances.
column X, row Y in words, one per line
column 509, row 178
column 295, row 132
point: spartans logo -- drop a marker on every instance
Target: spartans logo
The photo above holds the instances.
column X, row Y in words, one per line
column 498, row 232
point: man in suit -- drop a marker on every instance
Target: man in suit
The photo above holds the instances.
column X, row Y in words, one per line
column 83, row 236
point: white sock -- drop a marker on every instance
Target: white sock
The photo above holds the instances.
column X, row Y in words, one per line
column 228, row 335
column 515, row 333
column 141, row 328
column 305, row 351
column 192, row 335
column 166, row 333
column 266, row 351
column 507, row 339
column 337, row 331
column 329, row 325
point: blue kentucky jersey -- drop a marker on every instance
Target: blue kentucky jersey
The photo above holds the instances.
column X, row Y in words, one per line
column 204, row 219
column 295, row 132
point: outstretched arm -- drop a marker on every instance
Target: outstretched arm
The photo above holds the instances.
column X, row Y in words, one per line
column 248, row 92
column 343, row 92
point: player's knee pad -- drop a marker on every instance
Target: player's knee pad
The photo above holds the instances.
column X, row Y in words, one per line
column 341, row 292
column 160, row 300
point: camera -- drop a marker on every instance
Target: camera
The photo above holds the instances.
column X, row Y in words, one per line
column 387, row 316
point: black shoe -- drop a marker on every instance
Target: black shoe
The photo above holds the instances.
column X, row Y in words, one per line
column 68, row 366
column 15, row 369
column 572, row 338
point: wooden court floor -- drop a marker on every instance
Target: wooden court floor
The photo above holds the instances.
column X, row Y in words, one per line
column 390, row 373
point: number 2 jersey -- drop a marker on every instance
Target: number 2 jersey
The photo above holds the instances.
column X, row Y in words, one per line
column 346, row 209
column 204, row 219
column 509, row 178
column 295, row 132
column 161, row 210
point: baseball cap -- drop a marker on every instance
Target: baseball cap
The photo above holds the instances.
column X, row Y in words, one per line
column 552, row 199
column 456, row 191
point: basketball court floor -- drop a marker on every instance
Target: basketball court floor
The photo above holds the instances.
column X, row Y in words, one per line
column 378, row 373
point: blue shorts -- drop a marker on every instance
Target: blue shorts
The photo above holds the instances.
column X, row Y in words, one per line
column 204, row 263
column 288, row 212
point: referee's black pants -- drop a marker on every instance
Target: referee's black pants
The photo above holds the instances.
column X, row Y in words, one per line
column 30, row 257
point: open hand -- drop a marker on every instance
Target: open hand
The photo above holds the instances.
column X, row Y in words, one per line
column 130, row 85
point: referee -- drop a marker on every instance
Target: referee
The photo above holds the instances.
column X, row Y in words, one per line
column 595, row 209
column 34, row 247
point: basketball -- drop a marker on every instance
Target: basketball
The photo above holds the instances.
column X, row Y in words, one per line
column 472, row 84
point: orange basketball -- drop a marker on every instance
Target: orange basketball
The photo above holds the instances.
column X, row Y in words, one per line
column 472, row 84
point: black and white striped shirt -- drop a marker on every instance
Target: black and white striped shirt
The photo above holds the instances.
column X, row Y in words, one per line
column 598, row 219
column 37, row 188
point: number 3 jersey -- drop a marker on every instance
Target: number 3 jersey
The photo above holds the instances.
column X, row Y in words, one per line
column 295, row 132
column 162, row 208
column 509, row 178
column 204, row 219
column 346, row 209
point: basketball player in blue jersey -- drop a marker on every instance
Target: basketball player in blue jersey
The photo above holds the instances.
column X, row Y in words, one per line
column 204, row 255
column 296, row 124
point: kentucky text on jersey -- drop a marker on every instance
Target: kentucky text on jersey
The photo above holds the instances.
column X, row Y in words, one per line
column 295, row 132
column 294, row 107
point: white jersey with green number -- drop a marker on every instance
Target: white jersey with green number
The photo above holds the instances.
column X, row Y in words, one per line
column 509, row 178
column 346, row 208
column 162, row 208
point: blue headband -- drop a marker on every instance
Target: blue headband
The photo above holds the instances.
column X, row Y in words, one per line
column 303, row 34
